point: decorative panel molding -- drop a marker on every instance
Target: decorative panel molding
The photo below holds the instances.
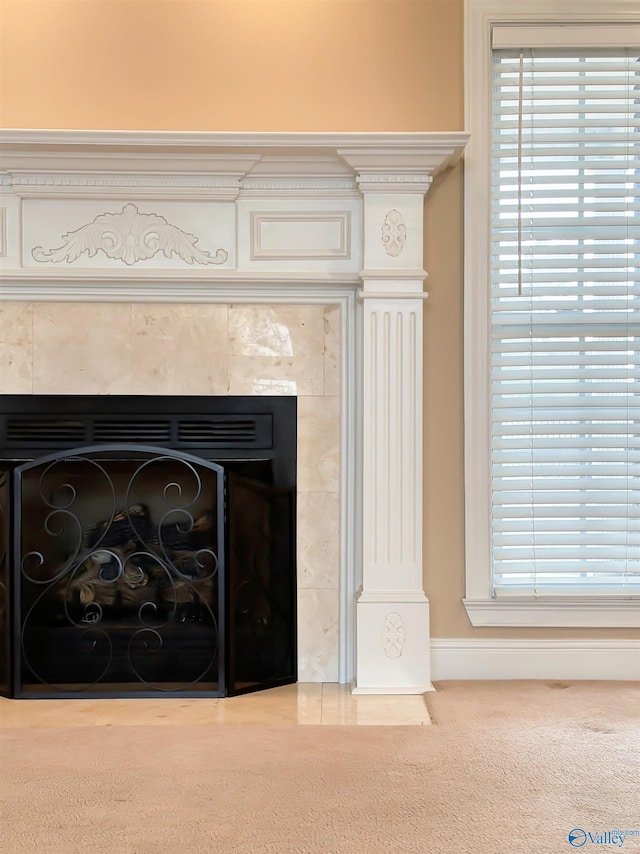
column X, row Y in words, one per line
column 3, row 232
column 309, row 235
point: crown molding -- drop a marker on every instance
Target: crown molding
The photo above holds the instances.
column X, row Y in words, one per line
column 223, row 141
column 71, row 185
column 47, row 162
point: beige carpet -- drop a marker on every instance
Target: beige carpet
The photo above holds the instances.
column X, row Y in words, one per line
column 506, row 768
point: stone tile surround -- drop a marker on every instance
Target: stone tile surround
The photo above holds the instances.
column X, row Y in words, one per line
column 147, row 348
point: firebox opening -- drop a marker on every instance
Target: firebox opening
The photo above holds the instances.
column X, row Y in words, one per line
column 138, row 570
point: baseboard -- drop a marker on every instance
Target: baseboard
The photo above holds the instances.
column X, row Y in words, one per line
column 462, row 658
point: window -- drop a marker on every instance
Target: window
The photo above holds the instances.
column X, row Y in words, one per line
column 553, row 497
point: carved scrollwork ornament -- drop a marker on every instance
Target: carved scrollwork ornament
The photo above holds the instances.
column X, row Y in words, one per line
column 394, row 233
column 129, row 236
column 394, row 635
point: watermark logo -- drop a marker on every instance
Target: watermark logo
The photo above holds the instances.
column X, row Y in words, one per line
column 577, row 837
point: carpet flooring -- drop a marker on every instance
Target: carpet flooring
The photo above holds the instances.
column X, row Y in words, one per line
column 506, row 767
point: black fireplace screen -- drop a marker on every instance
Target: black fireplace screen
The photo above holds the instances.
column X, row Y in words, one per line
column 139, row 570
column 120, row 555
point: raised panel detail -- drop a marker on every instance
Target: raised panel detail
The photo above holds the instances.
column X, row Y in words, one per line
column 302, row 235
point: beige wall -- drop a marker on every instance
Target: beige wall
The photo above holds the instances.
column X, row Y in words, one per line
column 302, row 65
column 299, row 65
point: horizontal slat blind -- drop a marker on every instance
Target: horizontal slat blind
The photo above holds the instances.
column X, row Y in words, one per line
column 565, row 321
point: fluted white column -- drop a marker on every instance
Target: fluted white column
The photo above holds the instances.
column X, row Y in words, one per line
column 392, row 611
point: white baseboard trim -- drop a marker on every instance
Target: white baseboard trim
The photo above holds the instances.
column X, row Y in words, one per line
column 462, row 658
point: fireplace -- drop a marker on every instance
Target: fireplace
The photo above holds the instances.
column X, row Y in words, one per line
column 148, row 545
column 129, row 242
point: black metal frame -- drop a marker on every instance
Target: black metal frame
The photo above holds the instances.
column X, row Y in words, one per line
column 85, row 454
column 5, row 584
column 227, row 432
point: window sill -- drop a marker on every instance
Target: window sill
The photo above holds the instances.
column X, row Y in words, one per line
column 593, row 612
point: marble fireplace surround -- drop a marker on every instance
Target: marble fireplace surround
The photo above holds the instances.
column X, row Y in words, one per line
column 232, row 239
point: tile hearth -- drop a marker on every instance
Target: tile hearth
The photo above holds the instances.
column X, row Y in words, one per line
column 310, row 703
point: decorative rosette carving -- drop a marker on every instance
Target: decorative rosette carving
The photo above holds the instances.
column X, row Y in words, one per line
column 129, row 236
column 393, row 635
column 394, row 233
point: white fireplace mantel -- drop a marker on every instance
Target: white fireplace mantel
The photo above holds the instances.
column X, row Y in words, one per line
column 267, row 217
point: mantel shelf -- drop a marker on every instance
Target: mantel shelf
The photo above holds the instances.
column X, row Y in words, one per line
column 232, row 153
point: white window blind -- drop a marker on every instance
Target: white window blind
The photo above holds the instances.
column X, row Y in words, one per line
column 565, row 321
